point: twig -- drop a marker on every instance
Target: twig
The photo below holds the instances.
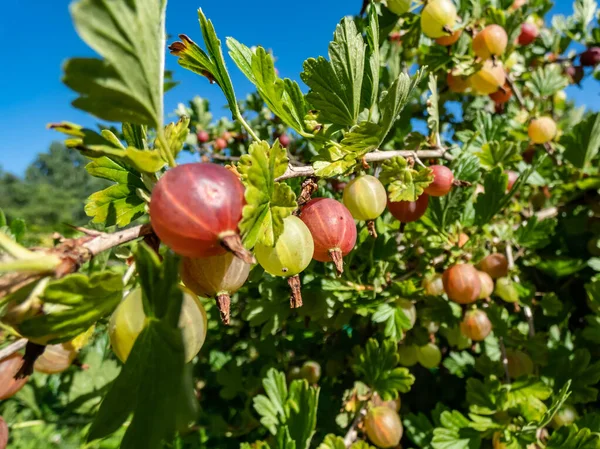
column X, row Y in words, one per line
column 516, row 90
column 15, row 346
column 542, row 214
column 105, row 241
column 352, row 431
column 374, row 156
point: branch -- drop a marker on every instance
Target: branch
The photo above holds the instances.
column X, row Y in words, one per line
column 15, row 346
column 516, row 91
column 352, row 431
column 374, row 156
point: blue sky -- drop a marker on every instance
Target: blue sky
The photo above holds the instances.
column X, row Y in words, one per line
column 35, row 40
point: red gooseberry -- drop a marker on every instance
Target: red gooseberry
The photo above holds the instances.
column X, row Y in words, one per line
column 203, row 136
column 512, row 178
column 496, row 265
column 529, row 33
column 8, row 369
column 442, row 181
column 220, row 144
column 3, row 433
column 502, row 95
column 195, row 210
column 575, row 74
column 332, row 228
column 409, row 211
column 590, row 57
column 446, row 41
column 487, row 285
column 457, row 83
column 476, row 325
column 284, row 140
column 461, row 283
column 491, row 41
column 383, row 427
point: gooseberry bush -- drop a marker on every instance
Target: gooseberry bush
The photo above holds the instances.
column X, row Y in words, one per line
column 400, row 252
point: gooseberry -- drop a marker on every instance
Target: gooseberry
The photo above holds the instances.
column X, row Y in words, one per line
column 476, row 325
column 490, row 42
column 220, row 144
column 503, row 95
column 409, row 310
column 383, row 427
column 487, row 285
column 506, row 290
column 496, row 265
column 332, row 228
column 195, row 210
column 216, row 277
column 575, row 74
column 409, row 211
column 203, row 136
column 9, row 367
column 442, row 181
column 462, row 284
column 433, row 285
column 438, row 18
column 457, row 83
column 398, row 7
column 284, row 140
column 529, row 33
column 489, row 78
column 365, row 197
column 446, row 41
column 512, row 178
column 565, row 416
column 429, row 356
column 56, row 358
column 3, row 433
column 128, row 320
column 294, row 373
column 407, row 355
column 590, row 57
column 392, row 404
column 462, row 239
column 519, row 364
column 311, row 371
column 542, row 130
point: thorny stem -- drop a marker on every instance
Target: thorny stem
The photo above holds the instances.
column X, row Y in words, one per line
column 296, row 291
column 352, row 433
column 516, row 90
column 526, row 309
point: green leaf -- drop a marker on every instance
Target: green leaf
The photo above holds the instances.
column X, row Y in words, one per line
column 370, row 88
column 73, row 304
column 283, row 97
column 175, row 135
column 404, row 183
column 267, row 202
column 535, row 234
column 527, row 396
column 268, row 310
column 302, row 415
column 127, row 86
column 396, row 321
column 577, row 368
column 394, row 100
column 459, row 363
column 497, row 153
column 336, row 85
column 583, row 141
column 547, row 80
column 418, row 429
column 560, row 267
column 557, row 402
column 377, row 366
column 483, row 396
column 210, row 63
column 570, row 437
column 456, row 433
column 271, row 407
column 433, row 113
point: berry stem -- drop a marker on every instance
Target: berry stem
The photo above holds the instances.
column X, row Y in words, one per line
column 231, row 241
column 338, row 260
column 224, row 305
column 371, row 228
column 296, row 294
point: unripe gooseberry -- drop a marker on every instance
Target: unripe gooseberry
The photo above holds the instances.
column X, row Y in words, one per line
column 365, row 197
column 332, row 228
column 489, row 78
column 429, row 356
column 398, row 7
column 496, row 265
column 462, row 284
column 442, row 181
column 512, row 178
column 407, row 355
column 195, row 210
column 128, row 320
column 438, row 18
column 433, row 285
column 311, row 371
column 216, row 277
column 565, row 416
column 590, row 57
column 409, row 309
column 203, row 136
column 446, row 41
column 503, row 95
column 457, row 83
column 529, row 33
column 291, row 254
column 542, row 130
column 9, row 367
column 476, row 325
column 392, row 404
column 56, row 358
column 487, row 285
column 519, row 364
column 383, row 427
column 491, row 41
column 409, row 211
column 506, row 290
